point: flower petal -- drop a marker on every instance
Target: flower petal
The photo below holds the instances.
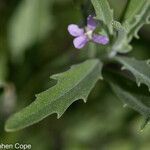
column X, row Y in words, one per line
column 80, row 41
column 91, row 23
column 100, row 39
column 74, row 30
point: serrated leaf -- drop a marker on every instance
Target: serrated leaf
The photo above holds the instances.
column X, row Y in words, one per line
column 131, row 100
column 104, row 13
column 136, row 16
column 140, row 22
column 131, row 95
column 140, row 69
column 72, row 85
column 121, row 44
column 29, row 24
column 133, row 9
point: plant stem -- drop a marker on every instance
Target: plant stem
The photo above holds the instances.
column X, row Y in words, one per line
column 92, row 50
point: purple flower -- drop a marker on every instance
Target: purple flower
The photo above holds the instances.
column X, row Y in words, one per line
column 83, row 36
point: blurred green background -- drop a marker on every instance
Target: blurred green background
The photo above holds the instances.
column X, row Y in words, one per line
column 34, row 44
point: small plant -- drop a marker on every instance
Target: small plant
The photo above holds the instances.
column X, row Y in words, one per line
column 111, row 65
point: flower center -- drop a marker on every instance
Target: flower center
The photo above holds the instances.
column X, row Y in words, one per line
column 88, row 33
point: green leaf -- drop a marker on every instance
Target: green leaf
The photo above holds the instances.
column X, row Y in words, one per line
column 133, row 9
column 104, row 13
column 131, row 95
column 30, row 23
column 121, row 44
column 140, row 69
column 140, row 22
column 72, row 85
column 131, row 100
column 136, row 16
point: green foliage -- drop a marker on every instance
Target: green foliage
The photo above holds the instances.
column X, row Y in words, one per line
column 136, row 16
column 104, row 13
column 71, row 85
column 133, row 8
column 131, row 95
column 30, row 23
column 140, row 22
column 140, row 69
